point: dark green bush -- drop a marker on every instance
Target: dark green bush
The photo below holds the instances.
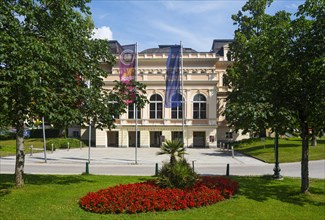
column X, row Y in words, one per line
column 180, row 175
column 62, row 143
column 7, row 136
column 49, row 133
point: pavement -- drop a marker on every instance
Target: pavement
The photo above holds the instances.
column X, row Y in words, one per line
column 142, row 162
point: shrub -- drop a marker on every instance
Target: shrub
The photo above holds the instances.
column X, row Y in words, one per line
column 177, row 175
column 49, row 133
column 6, row 135
column 148, row 196
column 62, row 143
column 174, row 148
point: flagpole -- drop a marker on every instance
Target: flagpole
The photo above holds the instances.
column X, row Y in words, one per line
column 89, row 141
column 183, row 99
column 135, row 105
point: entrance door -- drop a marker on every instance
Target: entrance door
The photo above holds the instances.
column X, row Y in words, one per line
column 112, row 139
column 199, row 139
column 132, row 139
column 155, row 138
column 177, row 135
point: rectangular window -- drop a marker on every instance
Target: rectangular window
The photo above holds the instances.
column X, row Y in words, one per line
column 159, row 110
column 76, row 134
column 228, row 135
column 177, row 112
column 152, row 110
column 131, row 112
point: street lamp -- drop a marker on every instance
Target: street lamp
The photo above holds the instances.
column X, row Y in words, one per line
column 276, row 169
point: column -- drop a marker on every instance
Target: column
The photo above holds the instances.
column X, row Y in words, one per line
column 145, row 139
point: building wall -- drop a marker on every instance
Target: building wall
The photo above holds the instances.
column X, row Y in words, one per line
column 202, row 74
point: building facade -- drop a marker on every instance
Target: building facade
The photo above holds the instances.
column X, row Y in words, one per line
column 204, row 96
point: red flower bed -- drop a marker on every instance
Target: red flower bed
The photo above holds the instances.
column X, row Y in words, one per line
column 147, row 196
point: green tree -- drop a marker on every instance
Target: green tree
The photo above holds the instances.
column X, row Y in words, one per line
column 277, row 79
column 178, row 172
column 46, row 57
column 174, row 148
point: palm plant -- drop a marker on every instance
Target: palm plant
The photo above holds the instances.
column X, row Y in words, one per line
column 175, row 148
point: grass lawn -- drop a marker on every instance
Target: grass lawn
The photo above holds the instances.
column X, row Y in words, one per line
column 8, row 147
column 56, row 197
column 289, row 149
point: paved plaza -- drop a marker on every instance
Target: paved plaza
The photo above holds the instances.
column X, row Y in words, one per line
column 123, row 161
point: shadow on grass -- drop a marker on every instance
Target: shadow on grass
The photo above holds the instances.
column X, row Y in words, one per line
column 7, row 181
column 267, row 146
column 287, row 190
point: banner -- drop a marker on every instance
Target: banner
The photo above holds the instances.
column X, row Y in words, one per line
column 127, row 56
column 173, row 99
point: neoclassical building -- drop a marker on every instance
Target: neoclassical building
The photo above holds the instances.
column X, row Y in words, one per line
column 204, row 96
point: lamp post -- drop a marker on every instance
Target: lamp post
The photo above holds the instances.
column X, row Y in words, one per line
column 276, row 169
column 44, row 139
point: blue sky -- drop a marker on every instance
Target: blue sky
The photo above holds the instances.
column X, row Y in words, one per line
column 150, row 23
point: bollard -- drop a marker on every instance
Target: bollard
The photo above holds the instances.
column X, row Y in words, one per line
column 68, row 146
column 232, row 152
column 87, row 168
column 31, row 150
column 80, row 145
column 193, row 164
column 52, row 149
column 156, row 170
column 227, row 171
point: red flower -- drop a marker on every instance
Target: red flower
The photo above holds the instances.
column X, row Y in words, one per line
column 147, row 196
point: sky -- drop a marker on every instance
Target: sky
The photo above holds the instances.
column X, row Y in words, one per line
column 150, row 23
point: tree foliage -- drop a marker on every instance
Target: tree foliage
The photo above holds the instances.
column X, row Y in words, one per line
column 174, row 148
column 278, row 77
column 46, row 57
column 178, row 172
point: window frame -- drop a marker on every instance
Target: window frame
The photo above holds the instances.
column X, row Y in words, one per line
column 199, row 107
column 178, row 110
column 132, row 110
column 156, row 107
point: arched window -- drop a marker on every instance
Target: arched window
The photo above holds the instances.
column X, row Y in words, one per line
column 177, row 108
column 156, row 106
column 199, row 107
column 131, row 111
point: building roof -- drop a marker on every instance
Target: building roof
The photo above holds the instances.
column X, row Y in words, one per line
column 115, row 46
column 218, row 46
column 165, row 49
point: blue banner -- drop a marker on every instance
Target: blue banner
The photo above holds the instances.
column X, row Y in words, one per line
column 173, row 99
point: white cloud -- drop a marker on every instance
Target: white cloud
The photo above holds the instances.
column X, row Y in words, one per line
column 292, row 6
column 175, row 34
column 103, row 32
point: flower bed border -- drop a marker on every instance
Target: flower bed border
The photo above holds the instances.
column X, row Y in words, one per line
column 147, row 196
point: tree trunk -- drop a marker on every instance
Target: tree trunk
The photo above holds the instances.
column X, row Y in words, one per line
column 20, row 155
column 276, row 169
column 172, row 160
column 63, row 133
column 304, row 158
